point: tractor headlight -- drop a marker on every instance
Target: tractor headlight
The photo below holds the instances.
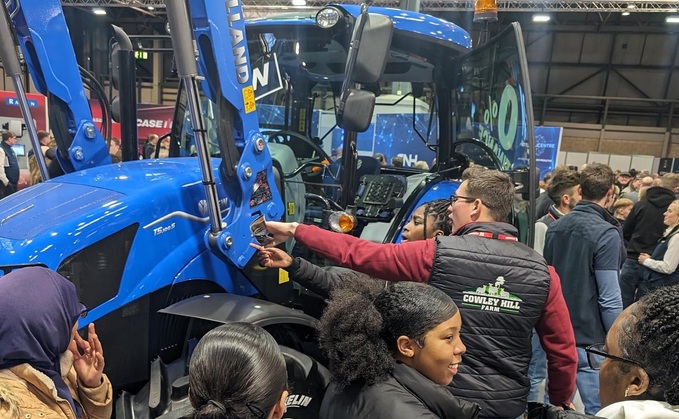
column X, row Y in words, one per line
column 327, row 17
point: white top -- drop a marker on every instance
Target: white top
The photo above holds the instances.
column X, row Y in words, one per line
column 669, row 262
column 4, row 162
column 640, row 409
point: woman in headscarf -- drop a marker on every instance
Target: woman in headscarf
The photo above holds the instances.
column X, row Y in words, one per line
column 46, row 369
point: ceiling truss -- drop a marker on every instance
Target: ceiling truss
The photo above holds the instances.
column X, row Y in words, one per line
column 633, row 6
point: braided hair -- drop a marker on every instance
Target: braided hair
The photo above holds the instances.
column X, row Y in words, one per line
column 651, row 337
column 438, row 209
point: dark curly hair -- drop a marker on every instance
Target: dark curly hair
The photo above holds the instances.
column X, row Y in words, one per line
column 237, row 371
column 438, row 209
column 363, row 320
column 650, row 336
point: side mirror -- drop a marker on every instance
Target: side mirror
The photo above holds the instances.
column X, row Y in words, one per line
column 358, row 111
column 122, row 43
column 373, row 53
column 365, row 64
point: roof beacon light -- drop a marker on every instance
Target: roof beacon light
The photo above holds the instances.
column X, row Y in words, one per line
column 485, row 11
column 327, row 17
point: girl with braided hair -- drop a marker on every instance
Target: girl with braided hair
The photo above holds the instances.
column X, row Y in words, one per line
column 639, row 363
column 392, row 352
column 428, row 221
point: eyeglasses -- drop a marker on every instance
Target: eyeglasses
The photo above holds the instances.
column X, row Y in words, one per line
column 454, row 198
column 595, row 352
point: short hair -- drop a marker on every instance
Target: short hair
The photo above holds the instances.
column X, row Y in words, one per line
column 438, row 209
column 622, row 203
column 236, row 371
column 152, row 136
column 650, row 336
column 6, row 135
column 547, row 177
column 43, row 134
column 360, row 327
column 596, row 180
column 115, row 140
column 380, row 157
column 494, row 188
column 670, row 181
column 421, row 164
column 646, row 181
column 397, row 161
column 561, row 183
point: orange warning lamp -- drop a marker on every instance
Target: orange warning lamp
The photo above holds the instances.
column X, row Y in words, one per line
column 485, row 11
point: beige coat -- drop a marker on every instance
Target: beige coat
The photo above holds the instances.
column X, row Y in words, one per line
column 26, row 393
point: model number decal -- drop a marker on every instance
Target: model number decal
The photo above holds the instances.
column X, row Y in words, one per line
column 163, row 229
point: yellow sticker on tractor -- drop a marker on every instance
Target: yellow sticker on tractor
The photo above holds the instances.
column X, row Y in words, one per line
column 249, row 99
column 283, row 276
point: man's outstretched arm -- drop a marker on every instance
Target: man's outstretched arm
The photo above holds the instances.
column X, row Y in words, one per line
column 410, row 261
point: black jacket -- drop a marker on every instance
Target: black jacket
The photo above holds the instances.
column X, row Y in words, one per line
column 644, row 225
column 501, row 287
column 322, row 280
column 406, row 394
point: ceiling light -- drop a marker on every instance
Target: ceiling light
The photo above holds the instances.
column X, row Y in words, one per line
column 299, row 2
column 631, row 6
column 151, row 8
column 625, row 13
column 541, row 18
column 672, row 19
column 98, row 11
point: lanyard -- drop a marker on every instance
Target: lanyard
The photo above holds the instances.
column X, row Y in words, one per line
column 498, row 236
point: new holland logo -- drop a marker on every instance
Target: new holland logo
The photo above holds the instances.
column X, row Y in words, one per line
column 492, row 297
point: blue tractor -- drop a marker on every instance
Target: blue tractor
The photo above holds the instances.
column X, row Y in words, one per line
column 160, row 247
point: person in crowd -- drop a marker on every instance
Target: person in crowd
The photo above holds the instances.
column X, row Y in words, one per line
column 646, row 182
column 397, row 161
column 115, row 150
column 634, row 186
column 9, row 172
column 621, row 209
column 503, row 288
column 564, row 192
column 421, row 164
column 427, row 221
column 643, row 228
column 660, row 269
column 381, row 158
column 164, row 148
column 543, row 201
column 150, row 146
column 638, row 363
column 238, row 371
column 391, row 352
column 45, row 139
column 46, row 368
column 585, row 247
column 623, row 181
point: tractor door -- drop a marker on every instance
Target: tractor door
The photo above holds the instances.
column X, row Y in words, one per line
column 493, row 117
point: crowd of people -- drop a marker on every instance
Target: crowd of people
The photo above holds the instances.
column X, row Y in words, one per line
column 460, row 320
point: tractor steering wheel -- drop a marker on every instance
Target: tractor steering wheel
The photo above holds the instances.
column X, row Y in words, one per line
column 305, row 150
